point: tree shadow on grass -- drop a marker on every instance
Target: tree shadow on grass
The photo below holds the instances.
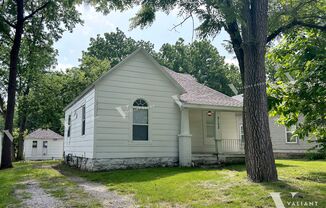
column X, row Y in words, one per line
column 285, row 189
column 318, row 177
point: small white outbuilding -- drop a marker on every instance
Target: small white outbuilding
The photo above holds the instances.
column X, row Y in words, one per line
column 43, row 144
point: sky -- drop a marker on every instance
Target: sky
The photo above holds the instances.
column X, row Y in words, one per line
column 71, row 45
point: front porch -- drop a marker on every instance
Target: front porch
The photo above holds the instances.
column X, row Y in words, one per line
column 210, row 136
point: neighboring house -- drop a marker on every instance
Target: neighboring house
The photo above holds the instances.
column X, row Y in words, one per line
column 141, row 114
column 284, row 143
column 43, row 144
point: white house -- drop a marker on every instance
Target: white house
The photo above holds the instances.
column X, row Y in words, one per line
column 43, row 144
column 142, row 114
column 283, row 141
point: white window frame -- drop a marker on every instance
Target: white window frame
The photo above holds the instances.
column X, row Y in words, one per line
column 140, row 124
column 83, row 120
column 69, row 126
column 209, row 140
column 289, row 130
column 241, row 133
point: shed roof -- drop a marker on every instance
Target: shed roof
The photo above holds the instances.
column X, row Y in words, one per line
column 43, row 134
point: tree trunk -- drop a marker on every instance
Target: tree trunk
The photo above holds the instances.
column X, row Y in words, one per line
column 7, row 143
column 22, row 127
column 260, row 161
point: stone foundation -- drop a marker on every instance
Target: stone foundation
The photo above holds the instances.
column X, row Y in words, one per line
column 100, row 164
column 289, row 155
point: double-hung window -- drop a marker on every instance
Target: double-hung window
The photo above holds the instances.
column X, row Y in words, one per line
column 241, row 134
column 83, row 120
column 289, row 135
column 69, row 126
column 140, row 120
column 210, row 125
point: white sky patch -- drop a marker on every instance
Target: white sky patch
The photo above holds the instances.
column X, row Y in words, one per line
column 62, row 67
column 71, row 45
column 233, row 61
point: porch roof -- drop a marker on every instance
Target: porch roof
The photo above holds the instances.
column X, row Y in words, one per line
column 199, row 94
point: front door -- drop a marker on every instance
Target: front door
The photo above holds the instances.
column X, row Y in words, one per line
column 45, row 148
column 34, row 148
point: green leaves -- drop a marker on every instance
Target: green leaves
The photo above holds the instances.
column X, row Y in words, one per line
column 300, row 56
column 202, row 60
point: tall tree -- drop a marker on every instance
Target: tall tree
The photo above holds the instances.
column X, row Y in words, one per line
column 246, row 22
column 54, row 90
column 115, row 46
column 202, row 60
column 15, row 15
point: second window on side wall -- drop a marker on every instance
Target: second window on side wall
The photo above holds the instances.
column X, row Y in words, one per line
column 140, row 120
column 289, row 135
column 83, row 120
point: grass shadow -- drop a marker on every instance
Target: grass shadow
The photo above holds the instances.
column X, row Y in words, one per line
column 127, row 175
column 318, row 177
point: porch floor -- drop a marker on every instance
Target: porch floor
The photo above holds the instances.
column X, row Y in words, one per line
column 199, row 159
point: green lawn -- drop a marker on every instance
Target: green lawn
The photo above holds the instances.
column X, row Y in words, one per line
column 175, row 187
column 225, row 187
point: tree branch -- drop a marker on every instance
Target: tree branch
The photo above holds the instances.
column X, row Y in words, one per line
column 293, row 24
column 8, row 23
column 36, row 10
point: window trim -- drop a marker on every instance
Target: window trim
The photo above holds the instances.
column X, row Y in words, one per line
column 33, row 144
column 241, row 133
column 140, row 124
column 288, row 130
column 208, row 140
column 83, row 120
column 69, row 126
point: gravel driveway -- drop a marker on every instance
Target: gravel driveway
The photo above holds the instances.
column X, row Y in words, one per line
column 35, row 197
column 109, row 199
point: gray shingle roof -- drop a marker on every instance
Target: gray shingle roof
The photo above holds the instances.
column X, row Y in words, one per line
column 197, row 93
column 238, row 97
column 44, row 134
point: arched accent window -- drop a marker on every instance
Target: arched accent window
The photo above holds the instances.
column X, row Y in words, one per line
column 140, row 120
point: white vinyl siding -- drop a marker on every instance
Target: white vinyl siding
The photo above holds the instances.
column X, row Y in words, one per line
column 78, row 144
column 115, row 94
column 40, row 149
column 278, row 137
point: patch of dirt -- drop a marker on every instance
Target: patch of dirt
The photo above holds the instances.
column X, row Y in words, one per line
column 109, row 199
column 34, row 196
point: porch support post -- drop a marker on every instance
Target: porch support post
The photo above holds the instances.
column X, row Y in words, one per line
column 184, row 140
